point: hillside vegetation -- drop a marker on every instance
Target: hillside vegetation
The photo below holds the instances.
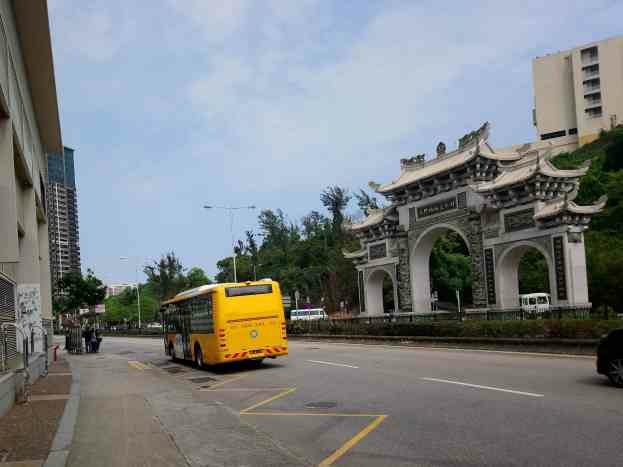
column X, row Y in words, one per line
column 604, row 239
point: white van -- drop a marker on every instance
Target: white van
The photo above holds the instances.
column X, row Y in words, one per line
column 535, row 302
column 308, row 315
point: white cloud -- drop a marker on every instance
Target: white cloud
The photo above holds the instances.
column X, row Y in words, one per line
column 96, row 32
column 402, row 73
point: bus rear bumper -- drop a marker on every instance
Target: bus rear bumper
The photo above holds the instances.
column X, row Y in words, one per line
column 268, row 352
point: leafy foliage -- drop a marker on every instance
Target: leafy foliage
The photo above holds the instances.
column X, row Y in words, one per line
column 79, row 291
column 533, row 273
column 450, row 269
column 166, row 276
column 604, row 240
column 306, row 257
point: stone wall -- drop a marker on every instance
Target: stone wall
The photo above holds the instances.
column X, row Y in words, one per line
column 403, row 272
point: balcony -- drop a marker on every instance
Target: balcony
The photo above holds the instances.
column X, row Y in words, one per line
column 593, row 112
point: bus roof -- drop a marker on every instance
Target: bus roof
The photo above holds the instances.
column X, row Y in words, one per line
column 203, row 289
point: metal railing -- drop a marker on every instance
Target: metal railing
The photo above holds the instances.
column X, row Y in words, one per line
column 73, row 340
column 25, row 355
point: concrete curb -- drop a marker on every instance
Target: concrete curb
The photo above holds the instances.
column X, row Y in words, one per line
column 537, row 345
column 59, row 451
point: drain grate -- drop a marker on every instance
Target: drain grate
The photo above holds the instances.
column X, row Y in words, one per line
column 321, row 405
column 174, row 369
column 202, row 379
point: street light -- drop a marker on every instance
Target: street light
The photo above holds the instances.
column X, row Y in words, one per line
column 138, row 292
column 231, row 210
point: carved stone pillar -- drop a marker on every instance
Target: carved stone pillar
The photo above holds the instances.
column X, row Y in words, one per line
column 403, row 275
column 479, row 287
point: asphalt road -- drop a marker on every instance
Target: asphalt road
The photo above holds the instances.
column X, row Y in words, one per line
column 370, row 405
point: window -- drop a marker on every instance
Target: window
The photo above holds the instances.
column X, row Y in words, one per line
column 554, row 134
column 592, row 99
column 593, row 112
column 589, row 54
column 248, row 290
column 201, row 314
column 590, row 71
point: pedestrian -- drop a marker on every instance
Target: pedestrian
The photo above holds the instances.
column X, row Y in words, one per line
column 98, row 337
column 93, row 337
column 86, row 334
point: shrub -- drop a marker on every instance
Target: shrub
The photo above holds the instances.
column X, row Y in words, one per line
column 564, row 328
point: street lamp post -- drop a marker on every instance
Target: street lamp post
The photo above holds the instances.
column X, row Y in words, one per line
column 231, row 210
column 138, row 291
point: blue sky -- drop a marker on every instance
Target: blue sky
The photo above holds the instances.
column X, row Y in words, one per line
column 174, row 104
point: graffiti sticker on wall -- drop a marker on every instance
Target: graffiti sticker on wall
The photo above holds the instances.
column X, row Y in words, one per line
column 28, row 301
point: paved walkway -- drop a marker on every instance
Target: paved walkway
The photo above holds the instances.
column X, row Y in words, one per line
column 27, row 431
column 130, row 415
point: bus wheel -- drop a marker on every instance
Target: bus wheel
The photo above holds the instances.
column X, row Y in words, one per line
column 198, row 357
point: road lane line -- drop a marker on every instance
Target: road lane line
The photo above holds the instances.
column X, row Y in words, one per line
column 332, row 363
column 478, row 386
column 406, row 347
column 352, row 442
column 208, row 389
column 269, row 400
column 235, row 378
column 313, row 414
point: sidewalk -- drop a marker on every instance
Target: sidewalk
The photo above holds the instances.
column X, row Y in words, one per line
column 142, row 416
column 27, row 431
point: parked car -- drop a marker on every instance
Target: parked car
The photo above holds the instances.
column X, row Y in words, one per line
column 610, row 357
column 311, row 314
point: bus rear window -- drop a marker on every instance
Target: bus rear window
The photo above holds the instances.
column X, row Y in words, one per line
column 248, row 290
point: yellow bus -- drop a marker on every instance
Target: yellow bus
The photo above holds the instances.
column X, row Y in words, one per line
column 221, row 323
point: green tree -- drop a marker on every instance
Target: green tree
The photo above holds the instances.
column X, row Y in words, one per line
column 533, row 273
column 166, row 276
column 450, row 268
column 79, row 291
column 335, row 199
column 196, row 277
column 123, row 307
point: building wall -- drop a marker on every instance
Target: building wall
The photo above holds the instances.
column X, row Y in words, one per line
column 23, row 171
column 563, row 83
column 554, row 94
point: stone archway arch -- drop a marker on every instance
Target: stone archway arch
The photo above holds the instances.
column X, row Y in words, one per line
column 420, row 263
column 374, row 289
column 507, row 269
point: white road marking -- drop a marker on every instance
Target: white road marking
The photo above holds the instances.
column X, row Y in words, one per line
column 478, row 386
column 332, row 364
column 408, row 347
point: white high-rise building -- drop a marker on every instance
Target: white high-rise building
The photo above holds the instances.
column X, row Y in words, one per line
column 579, row 92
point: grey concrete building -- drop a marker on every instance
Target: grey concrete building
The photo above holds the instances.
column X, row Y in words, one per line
column 62, row 203
column 579, row 92
column 29, row 128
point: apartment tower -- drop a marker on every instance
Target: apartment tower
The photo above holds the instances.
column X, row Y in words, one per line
column 62, row 216
column 579, row 92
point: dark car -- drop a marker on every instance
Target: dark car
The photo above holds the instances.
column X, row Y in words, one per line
column 610, row 357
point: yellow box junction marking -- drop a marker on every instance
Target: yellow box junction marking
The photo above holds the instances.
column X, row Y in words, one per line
column 338, row 453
